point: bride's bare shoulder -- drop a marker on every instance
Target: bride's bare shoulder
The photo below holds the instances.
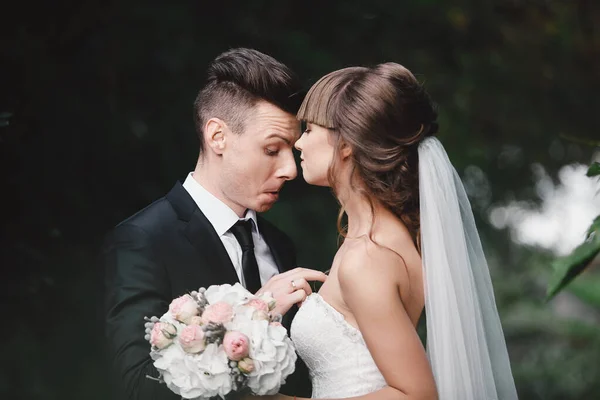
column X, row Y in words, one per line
column 363, row 260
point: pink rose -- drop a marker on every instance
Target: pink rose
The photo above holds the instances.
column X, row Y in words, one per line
column 258, row 304
column 246, row 365
column 162, row 334
column 191, row 339
column 218, row 313
column 236, row 345
column 183, row 308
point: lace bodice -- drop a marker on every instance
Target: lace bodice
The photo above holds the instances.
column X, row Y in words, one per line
column 334, row 351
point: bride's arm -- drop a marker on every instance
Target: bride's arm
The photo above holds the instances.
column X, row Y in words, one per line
column 370, row 289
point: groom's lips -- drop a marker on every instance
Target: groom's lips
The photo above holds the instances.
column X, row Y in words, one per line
column 273, row 192
column 273, row 195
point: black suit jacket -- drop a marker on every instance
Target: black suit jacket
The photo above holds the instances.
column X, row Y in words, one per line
column 162, row 252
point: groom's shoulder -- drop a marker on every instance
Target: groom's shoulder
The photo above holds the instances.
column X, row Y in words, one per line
column 158, row 213
column 152, row 221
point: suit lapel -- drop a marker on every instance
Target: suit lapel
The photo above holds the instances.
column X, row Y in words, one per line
column 202, row 235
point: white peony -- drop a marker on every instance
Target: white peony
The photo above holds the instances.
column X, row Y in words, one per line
column 274, row 358
column 214, row 367
column 234, row 295
column 195, row 375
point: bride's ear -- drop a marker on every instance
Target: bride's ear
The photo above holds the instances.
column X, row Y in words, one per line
column 345, row 150
column 215, row 135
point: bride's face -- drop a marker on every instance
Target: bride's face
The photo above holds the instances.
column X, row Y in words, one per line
column 317, row 152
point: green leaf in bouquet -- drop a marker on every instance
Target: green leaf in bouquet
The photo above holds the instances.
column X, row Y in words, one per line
column 594, row 169
column 5, row 115
column 568, row 267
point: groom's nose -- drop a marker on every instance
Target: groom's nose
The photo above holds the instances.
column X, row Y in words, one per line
column 287, row 170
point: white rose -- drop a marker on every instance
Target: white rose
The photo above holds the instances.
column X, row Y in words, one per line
column 268, row 298
column 260, row 315
column 246, row 365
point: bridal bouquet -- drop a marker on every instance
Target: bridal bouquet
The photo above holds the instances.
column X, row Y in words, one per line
column 221, row 340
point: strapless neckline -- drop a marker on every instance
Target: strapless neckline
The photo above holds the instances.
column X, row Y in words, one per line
column 337, row 357
column 336, row 315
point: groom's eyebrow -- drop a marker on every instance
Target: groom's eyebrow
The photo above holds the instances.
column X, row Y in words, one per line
column 278, row 136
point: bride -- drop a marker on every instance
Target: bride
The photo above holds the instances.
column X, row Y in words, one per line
column 411, row 244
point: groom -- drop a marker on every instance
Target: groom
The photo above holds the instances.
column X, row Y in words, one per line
column 207, row 231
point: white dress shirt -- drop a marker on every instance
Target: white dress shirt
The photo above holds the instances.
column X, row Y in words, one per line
column 222, row 218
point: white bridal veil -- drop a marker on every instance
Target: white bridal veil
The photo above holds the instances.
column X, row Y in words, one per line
column 465, row 342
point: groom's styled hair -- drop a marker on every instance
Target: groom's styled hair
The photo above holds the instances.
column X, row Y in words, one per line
column 237, row 80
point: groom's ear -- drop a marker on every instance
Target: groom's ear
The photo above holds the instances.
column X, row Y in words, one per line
column 215, row 134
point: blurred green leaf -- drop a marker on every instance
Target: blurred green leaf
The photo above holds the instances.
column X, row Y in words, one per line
column 5, row 115
column 3, row 123
column 594, row 228
column 587, row 290
column 567, row 268
column 594, row 169
column 583, row 141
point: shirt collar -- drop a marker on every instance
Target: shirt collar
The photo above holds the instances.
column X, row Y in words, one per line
column 221, row 217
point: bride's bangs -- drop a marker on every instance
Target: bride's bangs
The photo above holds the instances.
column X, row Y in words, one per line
column 317, row 107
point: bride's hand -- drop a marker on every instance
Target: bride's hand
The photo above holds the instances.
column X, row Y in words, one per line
column 291, row 288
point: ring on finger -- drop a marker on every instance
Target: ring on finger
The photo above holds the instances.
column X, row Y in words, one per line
column 293, row 284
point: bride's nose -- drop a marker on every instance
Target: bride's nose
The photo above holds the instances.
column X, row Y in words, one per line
column 297, row 145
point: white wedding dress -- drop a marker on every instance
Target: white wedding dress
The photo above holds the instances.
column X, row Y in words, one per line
column 338, row 360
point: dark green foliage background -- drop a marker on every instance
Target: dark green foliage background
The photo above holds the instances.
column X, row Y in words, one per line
column 101, row 100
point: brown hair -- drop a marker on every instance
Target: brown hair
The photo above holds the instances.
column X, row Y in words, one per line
column 382, row 113
column 237, row 80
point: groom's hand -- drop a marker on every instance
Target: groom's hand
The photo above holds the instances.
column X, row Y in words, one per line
column 291, row 287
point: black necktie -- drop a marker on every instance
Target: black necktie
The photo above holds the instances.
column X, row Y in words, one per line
column 242, row 230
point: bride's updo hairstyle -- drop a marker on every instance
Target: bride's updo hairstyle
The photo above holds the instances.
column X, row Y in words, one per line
column 382, row 113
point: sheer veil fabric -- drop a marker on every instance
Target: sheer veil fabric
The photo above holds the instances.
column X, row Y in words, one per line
column 465, row 341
